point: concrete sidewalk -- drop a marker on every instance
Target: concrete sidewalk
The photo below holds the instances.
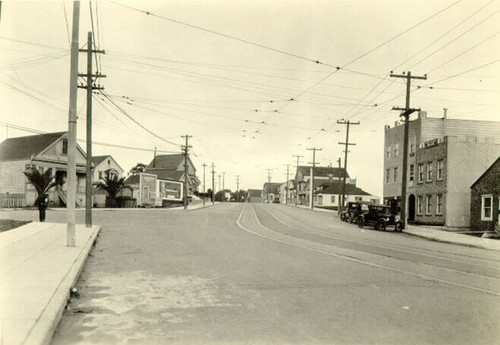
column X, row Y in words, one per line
column 37, row 271
column 440, row 235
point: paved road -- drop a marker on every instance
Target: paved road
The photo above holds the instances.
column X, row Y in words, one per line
column 273, row 274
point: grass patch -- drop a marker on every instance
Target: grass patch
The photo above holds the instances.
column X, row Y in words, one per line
column 8, row 224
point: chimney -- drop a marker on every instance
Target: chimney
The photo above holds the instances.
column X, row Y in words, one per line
column 396, row 123
column 445, row 113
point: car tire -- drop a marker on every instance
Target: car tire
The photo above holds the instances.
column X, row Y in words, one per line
column 398, row 227
column 382, row 225
column 342, row 217
column 361, row 222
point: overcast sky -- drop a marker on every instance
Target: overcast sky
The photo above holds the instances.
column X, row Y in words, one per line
column 226, row 72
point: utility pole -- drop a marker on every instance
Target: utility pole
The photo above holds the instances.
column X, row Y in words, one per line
column 286, row 185
column 338, row 182
column 220, row 185
column 269, row 175
column 297, row 186
column 89, row 87
column 406, row 111
column 347, row 144
column 311, row 192
column 72, row 120
column 186, row 176
column 238, row 187
column 213, row 184
column 223, row 180
column 204, row 165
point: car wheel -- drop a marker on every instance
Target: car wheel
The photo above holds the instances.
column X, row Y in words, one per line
column 398, row 227
column 342, row 217
column 382, row 225
column 361, row 222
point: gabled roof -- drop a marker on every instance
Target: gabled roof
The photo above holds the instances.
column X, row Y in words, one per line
column 271, row 187
column 322, row 171
column 132, row 179
column 166, row 174
column 96, row 160
column 254, row 192
column 497, row 161
column 350, row 189
column 170, row 162
column 24, row 147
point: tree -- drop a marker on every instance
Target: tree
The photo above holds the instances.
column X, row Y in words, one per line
column 138, row 168
column 43, row 182
column 113, row 186
column 220, row 196
column 239, row 196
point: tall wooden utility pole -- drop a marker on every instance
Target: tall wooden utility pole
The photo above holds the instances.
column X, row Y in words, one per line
column 269, row 175
column 89, row 87
column 220, row 185
column 73, row 90
column 311, row 191
column 204, row 190
column 223, row 180
column 338, row 201
column 286, row 184
column 237, row 186
column 186, row 175
column 347, row 144
column 213, row 183
column 405, row 112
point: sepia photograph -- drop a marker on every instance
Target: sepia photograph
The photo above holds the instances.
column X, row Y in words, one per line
column 249, row 172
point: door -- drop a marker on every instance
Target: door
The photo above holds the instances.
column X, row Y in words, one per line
column 411, row 208
column 145, row 195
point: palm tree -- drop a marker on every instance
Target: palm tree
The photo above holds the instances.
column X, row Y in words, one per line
column 42, row 182
column 113, row 185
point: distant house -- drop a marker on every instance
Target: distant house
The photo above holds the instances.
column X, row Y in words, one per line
column 43, row 151
column 254, row 195
column 485, row 199
column 321, row 174
column 328, row 195
column 103, row 166
column 171, row 167
column 271, row 192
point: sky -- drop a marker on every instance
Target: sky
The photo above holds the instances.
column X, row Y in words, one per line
column 255, row 83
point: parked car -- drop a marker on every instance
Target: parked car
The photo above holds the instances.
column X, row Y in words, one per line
column 380, row 217
column 353, row 210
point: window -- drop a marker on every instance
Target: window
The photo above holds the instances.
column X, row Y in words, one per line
column 419, row 204
column 412, row 172
column 395, row 174
column 320, row 200
column 486, row 207
column 439, row 204
column 429, row 171
column 388, row 153
column 100, row 175
column 412, row 145
column 440, row 165
column 332, row 200
column 396, row 150
column 64, row 147
column 358, row 198
column 387, row 175
column 420, row 173
column 109, row 161
column 428, row 204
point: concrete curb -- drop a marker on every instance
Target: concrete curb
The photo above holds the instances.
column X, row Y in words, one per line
column 45, row 326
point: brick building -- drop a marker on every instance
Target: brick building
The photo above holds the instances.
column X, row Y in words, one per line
column 485, row 199
column 445, row 157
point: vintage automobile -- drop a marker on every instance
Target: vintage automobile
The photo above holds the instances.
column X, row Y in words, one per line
column 353, row 210
column 380, row 217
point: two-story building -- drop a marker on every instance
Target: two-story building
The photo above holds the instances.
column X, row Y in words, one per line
column 321, row 175
column 43, row 151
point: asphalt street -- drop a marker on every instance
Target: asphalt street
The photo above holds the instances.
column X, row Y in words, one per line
column 275, row 274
